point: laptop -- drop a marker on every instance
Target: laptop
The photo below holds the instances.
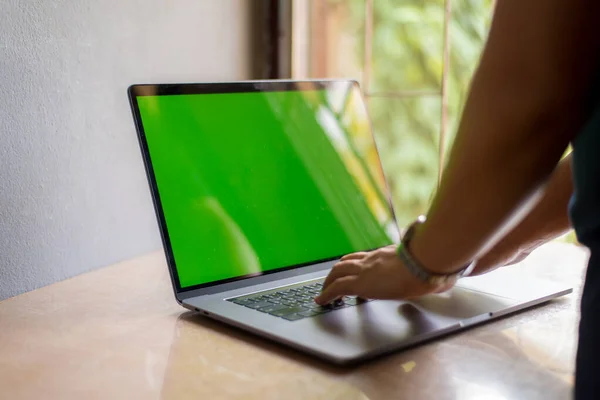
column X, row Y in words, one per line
column 259, row 187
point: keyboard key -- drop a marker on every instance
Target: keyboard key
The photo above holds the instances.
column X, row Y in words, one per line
column 242, row 302
column 287, row 311
column 322, row 310
column 271, row 308
column 309, row 313
column 259, row 304
column 351, row 301
column 310, row 304
column 292, row 317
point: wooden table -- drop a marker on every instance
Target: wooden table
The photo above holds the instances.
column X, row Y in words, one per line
column 117, row 333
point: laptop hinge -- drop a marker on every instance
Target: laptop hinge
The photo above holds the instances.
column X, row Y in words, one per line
column 257, row 280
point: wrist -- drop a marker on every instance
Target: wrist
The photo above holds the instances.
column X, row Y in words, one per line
column 429, row 248
column 423, row 272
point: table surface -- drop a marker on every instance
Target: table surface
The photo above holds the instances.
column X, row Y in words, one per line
column 117, row 333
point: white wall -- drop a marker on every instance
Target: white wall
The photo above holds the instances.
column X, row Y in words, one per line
column 73, row 193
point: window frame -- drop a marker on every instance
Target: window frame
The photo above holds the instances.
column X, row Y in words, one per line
column 298, row 31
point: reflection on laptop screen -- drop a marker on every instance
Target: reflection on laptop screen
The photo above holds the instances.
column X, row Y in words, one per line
column 260, row 181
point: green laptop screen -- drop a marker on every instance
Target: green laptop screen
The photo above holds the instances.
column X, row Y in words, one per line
column 259, row 181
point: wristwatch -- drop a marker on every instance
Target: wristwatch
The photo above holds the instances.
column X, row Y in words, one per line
column 417, row 269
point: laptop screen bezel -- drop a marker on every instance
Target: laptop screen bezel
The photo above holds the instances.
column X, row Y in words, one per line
column 141, row 90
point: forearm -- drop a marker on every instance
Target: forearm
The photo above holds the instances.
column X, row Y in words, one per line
column 525, row 104
column 548, row 220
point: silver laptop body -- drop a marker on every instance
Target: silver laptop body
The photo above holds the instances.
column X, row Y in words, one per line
column 219, row 156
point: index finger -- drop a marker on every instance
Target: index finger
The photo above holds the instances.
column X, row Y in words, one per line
column 346, row 286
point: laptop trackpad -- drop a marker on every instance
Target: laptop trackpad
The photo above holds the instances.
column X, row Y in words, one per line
column 393, row 321
column 461, row 303
column 428, row 314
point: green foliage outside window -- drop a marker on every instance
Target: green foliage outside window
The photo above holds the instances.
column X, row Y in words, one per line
column 407, row 56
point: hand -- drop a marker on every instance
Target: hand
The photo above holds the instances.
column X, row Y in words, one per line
column 379, row 274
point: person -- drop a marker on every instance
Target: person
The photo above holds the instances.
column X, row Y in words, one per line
column 507, row 186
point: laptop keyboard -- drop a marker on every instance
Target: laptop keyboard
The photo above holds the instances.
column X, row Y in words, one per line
column 293, row 302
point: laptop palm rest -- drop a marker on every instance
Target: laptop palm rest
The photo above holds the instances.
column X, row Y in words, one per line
column 369, row 329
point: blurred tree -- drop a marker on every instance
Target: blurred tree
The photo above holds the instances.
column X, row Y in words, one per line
column 407, row 65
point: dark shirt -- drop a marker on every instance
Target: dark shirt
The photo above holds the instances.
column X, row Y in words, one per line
column 584, row 212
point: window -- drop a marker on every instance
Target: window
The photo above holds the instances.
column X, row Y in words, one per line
column 413, row 59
